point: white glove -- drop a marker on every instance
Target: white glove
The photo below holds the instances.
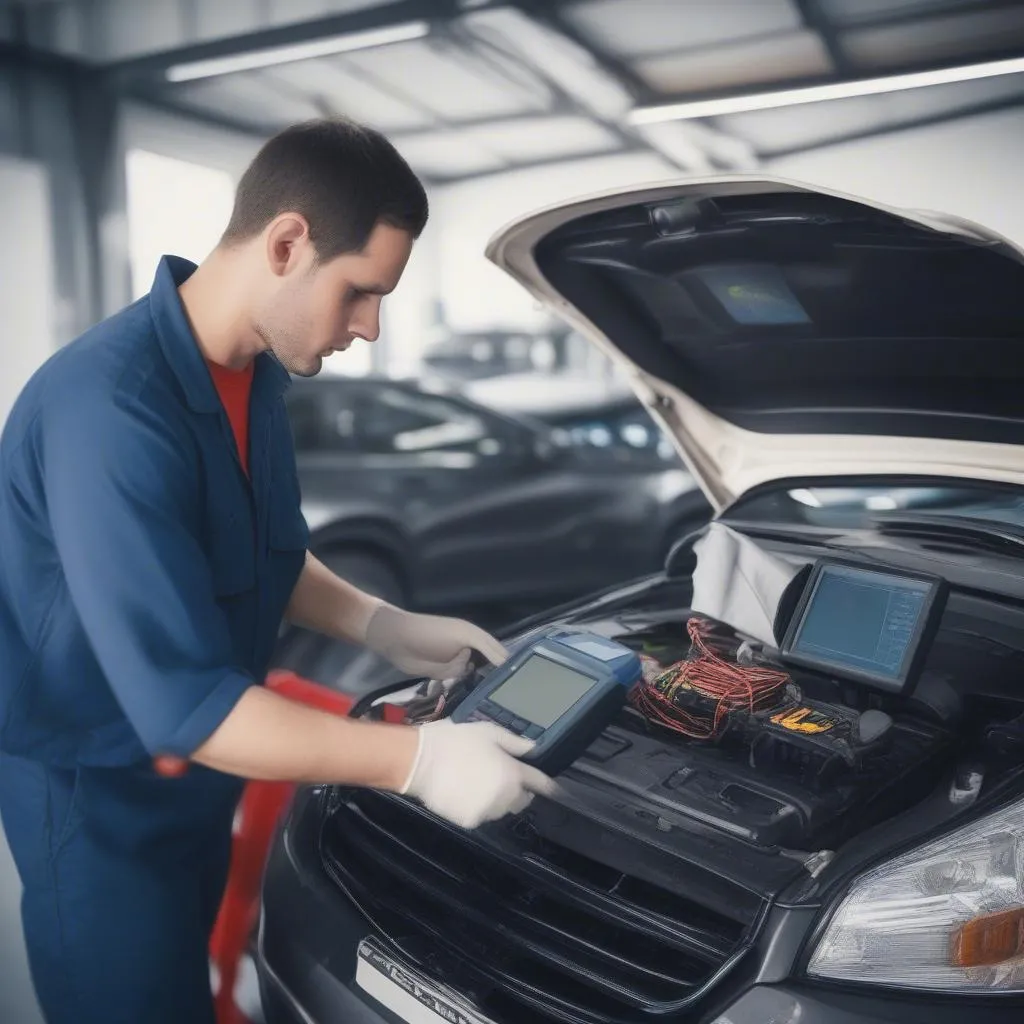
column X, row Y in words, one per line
column 429, row 645
column 468, row 772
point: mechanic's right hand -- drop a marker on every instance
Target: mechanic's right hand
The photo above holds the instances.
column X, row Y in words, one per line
column 469, row 772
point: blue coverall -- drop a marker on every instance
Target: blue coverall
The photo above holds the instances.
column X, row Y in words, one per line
column 142, row 584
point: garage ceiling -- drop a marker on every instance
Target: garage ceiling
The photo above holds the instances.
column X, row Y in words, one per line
column 470, row 87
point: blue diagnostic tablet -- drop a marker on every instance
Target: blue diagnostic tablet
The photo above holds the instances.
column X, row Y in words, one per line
column 560, row 690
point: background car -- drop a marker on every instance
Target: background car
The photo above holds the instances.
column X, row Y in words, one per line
column 435, row 502
column 480, row 355
column 586, row 410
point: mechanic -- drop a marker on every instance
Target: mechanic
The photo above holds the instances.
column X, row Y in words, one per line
column 151, row 540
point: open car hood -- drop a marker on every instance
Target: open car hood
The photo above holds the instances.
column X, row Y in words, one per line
column 778, row 331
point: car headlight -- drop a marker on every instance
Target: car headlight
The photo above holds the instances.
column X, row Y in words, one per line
column 947, row 916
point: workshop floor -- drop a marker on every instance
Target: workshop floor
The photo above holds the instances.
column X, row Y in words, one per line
column 17, row 1000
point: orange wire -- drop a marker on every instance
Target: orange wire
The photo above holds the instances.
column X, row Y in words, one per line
column 729, row 685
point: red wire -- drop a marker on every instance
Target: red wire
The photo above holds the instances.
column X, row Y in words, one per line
column 706, row 672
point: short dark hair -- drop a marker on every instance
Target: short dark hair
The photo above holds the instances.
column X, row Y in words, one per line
column 343, row 177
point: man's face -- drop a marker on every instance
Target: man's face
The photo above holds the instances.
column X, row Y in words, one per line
column 317, row 309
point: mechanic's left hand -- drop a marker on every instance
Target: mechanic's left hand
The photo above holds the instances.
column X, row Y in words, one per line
column 429, row 645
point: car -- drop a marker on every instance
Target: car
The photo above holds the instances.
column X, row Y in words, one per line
column 432, row 501
column 585, row 410
column 479, row 355
column 811, row 806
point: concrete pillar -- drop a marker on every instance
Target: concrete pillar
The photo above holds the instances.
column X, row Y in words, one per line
column 65, row 119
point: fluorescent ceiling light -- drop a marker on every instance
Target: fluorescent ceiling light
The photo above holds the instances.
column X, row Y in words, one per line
column 297, row 51
column 817, row 93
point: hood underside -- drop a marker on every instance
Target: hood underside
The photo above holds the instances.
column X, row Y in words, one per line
column 778, row 331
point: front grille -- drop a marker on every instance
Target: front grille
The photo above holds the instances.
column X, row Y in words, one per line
column 531, row 933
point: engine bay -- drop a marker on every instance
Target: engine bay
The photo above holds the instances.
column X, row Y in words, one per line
column 781, row 760
column 736, row 731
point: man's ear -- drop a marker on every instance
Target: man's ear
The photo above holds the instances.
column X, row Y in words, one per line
column 288, row 244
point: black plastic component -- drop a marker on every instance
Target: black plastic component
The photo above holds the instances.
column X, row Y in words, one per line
column 821, row 740
column 575, row 938
column 681, row 559
column 362, row 707
column 789, row 602
column 677, row 218
column 782, row 790
column 887, row 298
column 1007, row 738
column 936, row 696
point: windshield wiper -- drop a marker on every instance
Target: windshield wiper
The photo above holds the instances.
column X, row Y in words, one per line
column 952, row 530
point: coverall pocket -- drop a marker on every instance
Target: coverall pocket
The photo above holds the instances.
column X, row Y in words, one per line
column 287, row 541
column 233, row 559
column 64, row 793
column 288, row 530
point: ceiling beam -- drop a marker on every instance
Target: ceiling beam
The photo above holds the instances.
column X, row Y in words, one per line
column 940, row 118
column 161, row 100
column 814, row 18
column 679, row 145
column 501, row 121
column 814, row 81
column 633, row 149
column 549, row 13
column 831, row 33
column 540, row 15
column 912, row 16
column 21, row 56
column 389, row 15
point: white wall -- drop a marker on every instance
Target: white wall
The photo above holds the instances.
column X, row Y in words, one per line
column 26, row 339
column 145, row 127
column 174, row 206
column 409, row 313
column 476, row 295
column 181, row 178
column 970, row 167
column 26, row 276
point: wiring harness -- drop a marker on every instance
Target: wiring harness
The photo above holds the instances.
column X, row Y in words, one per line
column 695, row 696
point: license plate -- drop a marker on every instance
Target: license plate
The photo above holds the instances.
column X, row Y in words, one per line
column 406, row 993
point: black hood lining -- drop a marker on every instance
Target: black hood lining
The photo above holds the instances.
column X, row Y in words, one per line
column 894, row 328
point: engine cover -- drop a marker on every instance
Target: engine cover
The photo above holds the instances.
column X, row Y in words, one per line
column 769, row 804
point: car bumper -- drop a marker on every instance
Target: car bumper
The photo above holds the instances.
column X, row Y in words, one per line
column 310, row 935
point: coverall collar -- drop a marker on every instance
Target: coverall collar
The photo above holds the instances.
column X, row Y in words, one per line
column 183, row 353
